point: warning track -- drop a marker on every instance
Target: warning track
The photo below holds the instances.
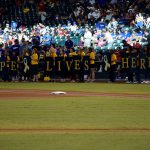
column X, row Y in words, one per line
column 9, row 94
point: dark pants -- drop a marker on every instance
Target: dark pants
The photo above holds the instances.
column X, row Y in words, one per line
column 73, row 74
column 130, row 75
column 6, row 73
column 27, row 74
column 34, row 69
column 112, row 73
column 81, row 72
column 138, row 75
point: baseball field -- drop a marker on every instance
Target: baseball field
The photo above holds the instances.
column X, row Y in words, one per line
column 90, row 116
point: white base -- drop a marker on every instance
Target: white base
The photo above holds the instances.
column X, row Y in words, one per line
column 58, row 93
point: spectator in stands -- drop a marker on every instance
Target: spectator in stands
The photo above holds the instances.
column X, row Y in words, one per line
column 96, row 14
column 92, row 2
column 47, row 39
column 108, row 15
column 69, row 43
column 15, row 48
column 87, row 38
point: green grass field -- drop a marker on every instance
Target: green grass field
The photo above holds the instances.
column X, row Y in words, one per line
column 76, row 113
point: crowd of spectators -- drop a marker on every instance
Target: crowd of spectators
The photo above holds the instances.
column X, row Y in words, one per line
column 101, row 24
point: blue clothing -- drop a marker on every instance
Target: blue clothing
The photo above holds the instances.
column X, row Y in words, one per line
column 139, row 24
column 102, row 2
column 47, row 39
column 15, row 48
column 1, row 32
column 140, row 34
column 13, row 25
column 6, row 38
column 80, row 31
column 69, row 44
column 125, row 36
column 1, row 53
column 114, row 35
column 122, row 22
column 36, row 40
column 67, row 53
column 58, row 52
column 100, row 25
column 100, row 35
column 120, row 36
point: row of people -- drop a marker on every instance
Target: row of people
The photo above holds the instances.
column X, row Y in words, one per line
column 32, row 61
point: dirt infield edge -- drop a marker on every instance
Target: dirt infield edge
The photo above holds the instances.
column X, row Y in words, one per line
column 20, row 93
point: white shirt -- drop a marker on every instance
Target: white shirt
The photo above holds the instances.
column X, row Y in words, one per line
column 108, row 17
column 89, row 15
column 76, row 12
column 115, row 24
column 139, row 18
column 1, row 39
column 88, row 35
column 113, row 2
column 87, row 39
column 96, row 14
column 109, row 26
column 92, row 2
column 25, row 37
column 148, row 19
column 43, row 16
column 20, row 37
column 6, row 30
column 73, row 28
column 108, row 37
column 43, row 31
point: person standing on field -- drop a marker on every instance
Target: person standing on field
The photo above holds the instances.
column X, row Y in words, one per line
column 34, row 64
column 113, row 62
column 92, row 64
